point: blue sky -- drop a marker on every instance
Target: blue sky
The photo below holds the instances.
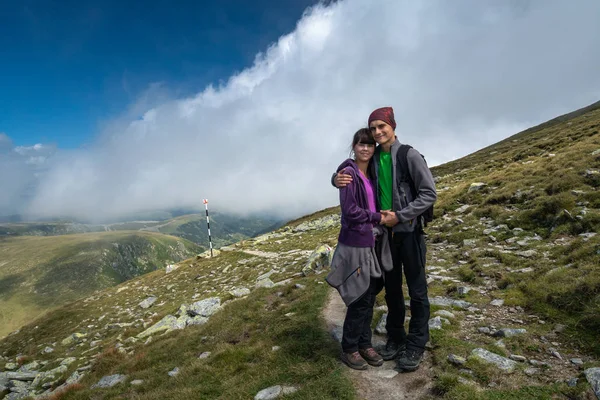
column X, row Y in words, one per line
column 69, row 66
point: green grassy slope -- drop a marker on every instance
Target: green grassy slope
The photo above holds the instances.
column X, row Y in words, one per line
column 545, row 181
column 40, row 273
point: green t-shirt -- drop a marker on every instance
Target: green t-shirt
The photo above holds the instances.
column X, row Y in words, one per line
column 385, row 180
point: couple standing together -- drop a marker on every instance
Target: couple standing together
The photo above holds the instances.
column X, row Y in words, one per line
column 385, row 191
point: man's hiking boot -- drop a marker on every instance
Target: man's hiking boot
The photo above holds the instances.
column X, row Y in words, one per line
column 409, row 360
column 354, row 360
column 391, row 350
column 371, row 357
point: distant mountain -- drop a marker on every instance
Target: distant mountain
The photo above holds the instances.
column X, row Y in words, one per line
column 41, row 273
column 225, row 228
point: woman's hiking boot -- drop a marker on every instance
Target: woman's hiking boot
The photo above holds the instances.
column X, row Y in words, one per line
column 354, row 360
column 409, row 360
column 392, row 350
column 371, row 357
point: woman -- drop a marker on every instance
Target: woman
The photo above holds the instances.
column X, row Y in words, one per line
column 356, row 272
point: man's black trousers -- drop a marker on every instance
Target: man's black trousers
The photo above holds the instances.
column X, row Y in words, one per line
column 408, row 255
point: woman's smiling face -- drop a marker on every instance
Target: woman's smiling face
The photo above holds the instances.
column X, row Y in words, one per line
column 363, row 151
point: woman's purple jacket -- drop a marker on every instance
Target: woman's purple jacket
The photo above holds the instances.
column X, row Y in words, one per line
column 357, row 219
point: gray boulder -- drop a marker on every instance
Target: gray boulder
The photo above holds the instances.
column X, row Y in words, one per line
column 240, row 292
column 488, row 357
column 274, row 392
column 456, row 360
column 507, row 332
column 447, row 302
column 380, row 328
column 168, row 323
column 593, row 377
column 148, row 302
column 204, row 308
column 319, row 260
column 435, row 323
column 476, row 186
column 18, row 376
column 265, row 283
column 109, row 381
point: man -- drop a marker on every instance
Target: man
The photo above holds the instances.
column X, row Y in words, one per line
column 407, row 240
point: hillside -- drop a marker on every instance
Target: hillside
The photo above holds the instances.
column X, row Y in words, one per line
column 225, row 228
column 513, row 281
column 41, row 273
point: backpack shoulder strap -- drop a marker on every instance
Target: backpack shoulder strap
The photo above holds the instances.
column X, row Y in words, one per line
column 402, row 163
column 402, row 167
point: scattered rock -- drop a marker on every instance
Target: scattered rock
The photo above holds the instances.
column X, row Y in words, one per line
column 577, row 361
column 325, row 222
column 527, row 253
column 593, row 377
column 435, row 323
column 485, row 330
column 240, row 292
column 204, row 355
column 73, row 338
column 174, row 372
column 68, row 361
column 137, row 382
column 462, row 290
column 47, row 350
column 264, row 283
column 462, row 209
column 380, row 328
column 318, row 260
column 148, row 302
column 497, row 303
column 508, row 332
column 502, row 363
column 470, row 242
column 572, row 382
column 531, row 371
column 17, row 376
column 275, row 348
column 204, row 308
column 456, row 360
column 444, row 313
column 269, row 393
column 447, row 302
column 10, row 366
column 109, row 381
column 555, row 353
column 299, row 286
column 168, row 323
column 476, row 186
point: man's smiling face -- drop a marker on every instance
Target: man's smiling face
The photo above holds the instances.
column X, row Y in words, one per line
column 382, row 132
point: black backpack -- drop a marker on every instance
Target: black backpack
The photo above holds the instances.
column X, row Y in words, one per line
column 402, row 172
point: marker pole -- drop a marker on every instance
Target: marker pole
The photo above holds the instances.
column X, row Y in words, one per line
column 205, row 201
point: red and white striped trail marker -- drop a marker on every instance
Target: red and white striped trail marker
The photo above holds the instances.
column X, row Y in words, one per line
column 205, row 201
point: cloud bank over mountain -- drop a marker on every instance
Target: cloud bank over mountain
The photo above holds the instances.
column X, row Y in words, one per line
column 460, row 75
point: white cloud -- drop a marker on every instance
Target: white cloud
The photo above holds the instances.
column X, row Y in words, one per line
column 460, row 75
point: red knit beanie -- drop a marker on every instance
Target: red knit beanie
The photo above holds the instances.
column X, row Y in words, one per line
column 385, row 114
